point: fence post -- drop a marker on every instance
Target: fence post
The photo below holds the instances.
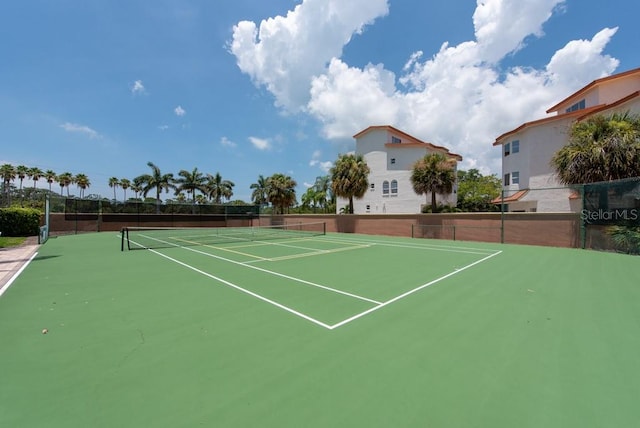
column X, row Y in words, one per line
column 583, row 226
column 502, row 217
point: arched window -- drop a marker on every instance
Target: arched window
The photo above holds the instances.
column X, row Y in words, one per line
column 385, row 187
column 394, row 187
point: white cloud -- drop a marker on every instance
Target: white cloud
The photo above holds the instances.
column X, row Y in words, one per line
column 260, row 143
column 137, row 87
column 80, row 129
column 285, row 52
column 224, row 141
column 163, row 127
column 179, row 111
column 461, row 97
column 325, row 166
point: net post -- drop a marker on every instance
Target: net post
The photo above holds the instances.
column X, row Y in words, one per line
column 324, row 228
column 412, row 228
column 122, row 233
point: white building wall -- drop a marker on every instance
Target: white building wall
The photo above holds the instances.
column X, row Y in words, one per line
column 388, row 163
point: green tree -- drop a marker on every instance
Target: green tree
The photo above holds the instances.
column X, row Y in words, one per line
column 22, row 172
column 217, row 188
column 281, row 192
column 475, row 191
column 65, row 180
column 259, row 196
column 349, row 178
column 434, row 174
column 190, row 182
column 36, row 174
column 125, row 183
column 600, row 149
column 156, row 181
column 322, row 188
column 114, row 182
column 310, row 198
column 51, row 177
column 8, row 173
column 83, row 183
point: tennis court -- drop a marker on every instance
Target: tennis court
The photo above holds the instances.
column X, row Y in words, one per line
column 318, row 330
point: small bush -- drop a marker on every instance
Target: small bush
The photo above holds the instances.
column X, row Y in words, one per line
column 19, row 221
column 625, row 239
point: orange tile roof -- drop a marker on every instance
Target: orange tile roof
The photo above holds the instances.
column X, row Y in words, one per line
column 545, row 120
column 513, row 198
column 594, row 84
column 415, row 142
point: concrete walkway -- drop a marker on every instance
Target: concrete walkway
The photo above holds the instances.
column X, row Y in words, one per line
column 12, row 260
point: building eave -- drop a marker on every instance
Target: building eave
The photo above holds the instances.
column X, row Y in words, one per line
column 592, row 85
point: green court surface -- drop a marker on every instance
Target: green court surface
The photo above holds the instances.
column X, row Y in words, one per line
column 340, row 330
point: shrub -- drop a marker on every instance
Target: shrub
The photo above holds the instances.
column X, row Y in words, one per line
column 625, row 239
column 20, row 221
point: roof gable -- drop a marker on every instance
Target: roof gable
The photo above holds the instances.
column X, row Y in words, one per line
column 406, row 140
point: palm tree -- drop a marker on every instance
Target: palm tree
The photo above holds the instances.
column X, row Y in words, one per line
column 217, row 188
column 22, row 172
column 281, row 191
column 65, row 180
column 156, row 180
column 349, row 177
column 82, row 181
column 125, row 183
column 114, row 182
column 190, row 182
column 259, row 195
column 35, row 173
column 600, row 149
column 51, row 177
column 434, row 173
column 322, row 187
column 310, row 198
column 8, row 173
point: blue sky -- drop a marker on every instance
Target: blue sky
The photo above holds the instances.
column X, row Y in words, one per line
column 250, row 87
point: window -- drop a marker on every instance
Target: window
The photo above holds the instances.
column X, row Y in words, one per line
column 515, row 146
column 368, row 208
column 507, row 149
column 394, row 187
column 385, row 188
column 506, row 179
column 372, row 186
column 393, row 161
column 515, row 177
column 577, row 106
column 395, row 140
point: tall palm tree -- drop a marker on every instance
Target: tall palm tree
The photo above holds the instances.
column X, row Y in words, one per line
column 155, row 181
column 65, row 180
column 349, row 177
column 434, row 173
column 83, row 183
column 125, row 183
column 51, row 177
column 8, row 174
column 259, row 195
column 190, row 182
column 281, row 191
column 217, row 188
column 114, row 182
column 322, row 188
column 36, row 174
column 22, row 172
column 310, row 198
column 600, row 149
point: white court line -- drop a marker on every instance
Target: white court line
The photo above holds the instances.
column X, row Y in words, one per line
column 315, row 253
column 16, row 275
column 292, row 278
column 443, row 248
column 402, row 296
column 257, row 296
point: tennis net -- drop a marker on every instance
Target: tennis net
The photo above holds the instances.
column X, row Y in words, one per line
column 134, row 238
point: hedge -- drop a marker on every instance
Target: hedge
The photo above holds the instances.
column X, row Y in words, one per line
column 16, row 221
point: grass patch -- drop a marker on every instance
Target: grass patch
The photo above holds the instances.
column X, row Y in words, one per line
column 11, row 241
